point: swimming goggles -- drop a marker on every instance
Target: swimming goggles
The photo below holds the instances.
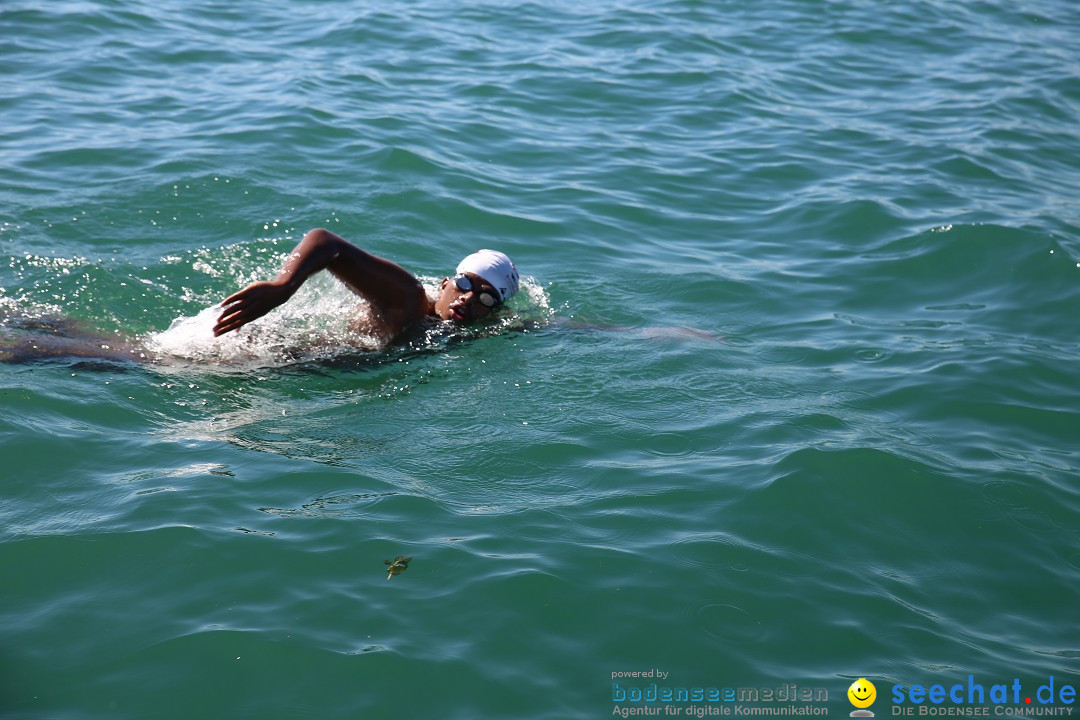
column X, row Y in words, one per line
column 464, row 284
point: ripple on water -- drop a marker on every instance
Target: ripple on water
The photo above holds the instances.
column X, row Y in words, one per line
column 728, row 625
column 882, row 442
column 720, row 551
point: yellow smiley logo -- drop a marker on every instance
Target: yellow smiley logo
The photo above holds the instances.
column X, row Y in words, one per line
column 862, row 693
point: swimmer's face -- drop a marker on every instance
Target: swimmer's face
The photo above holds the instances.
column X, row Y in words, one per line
column 463, row 306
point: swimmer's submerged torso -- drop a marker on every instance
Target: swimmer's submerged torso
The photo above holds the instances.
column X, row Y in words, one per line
column 25, row 339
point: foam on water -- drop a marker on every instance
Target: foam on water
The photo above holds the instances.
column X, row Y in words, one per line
column 318, row 323
column 873, row 474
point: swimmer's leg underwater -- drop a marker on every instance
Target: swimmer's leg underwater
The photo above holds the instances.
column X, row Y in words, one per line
column 28, row 340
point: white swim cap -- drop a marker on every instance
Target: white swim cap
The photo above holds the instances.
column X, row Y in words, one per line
column 496, row 268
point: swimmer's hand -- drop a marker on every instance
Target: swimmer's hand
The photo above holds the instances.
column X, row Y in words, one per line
column 251, row 303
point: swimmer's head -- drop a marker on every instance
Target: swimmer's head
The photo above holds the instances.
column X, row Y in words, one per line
column 494, row 267
column 482, row 282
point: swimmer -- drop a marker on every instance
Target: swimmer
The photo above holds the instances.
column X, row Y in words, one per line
column 482, row 282
column 399, row 305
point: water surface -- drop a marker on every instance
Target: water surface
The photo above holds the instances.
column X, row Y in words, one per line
column 790, row 397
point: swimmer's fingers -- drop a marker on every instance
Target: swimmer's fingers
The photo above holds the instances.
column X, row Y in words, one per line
column 235, row 297
column 232, row 319
column 236, row 316
column 249, row 304
column 228, row 323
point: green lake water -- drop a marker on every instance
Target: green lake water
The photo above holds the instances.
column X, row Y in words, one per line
column 790, row 395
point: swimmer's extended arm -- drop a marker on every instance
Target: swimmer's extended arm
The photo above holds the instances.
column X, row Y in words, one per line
column 396, row 297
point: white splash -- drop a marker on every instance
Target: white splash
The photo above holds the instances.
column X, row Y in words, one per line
column 317, row 323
